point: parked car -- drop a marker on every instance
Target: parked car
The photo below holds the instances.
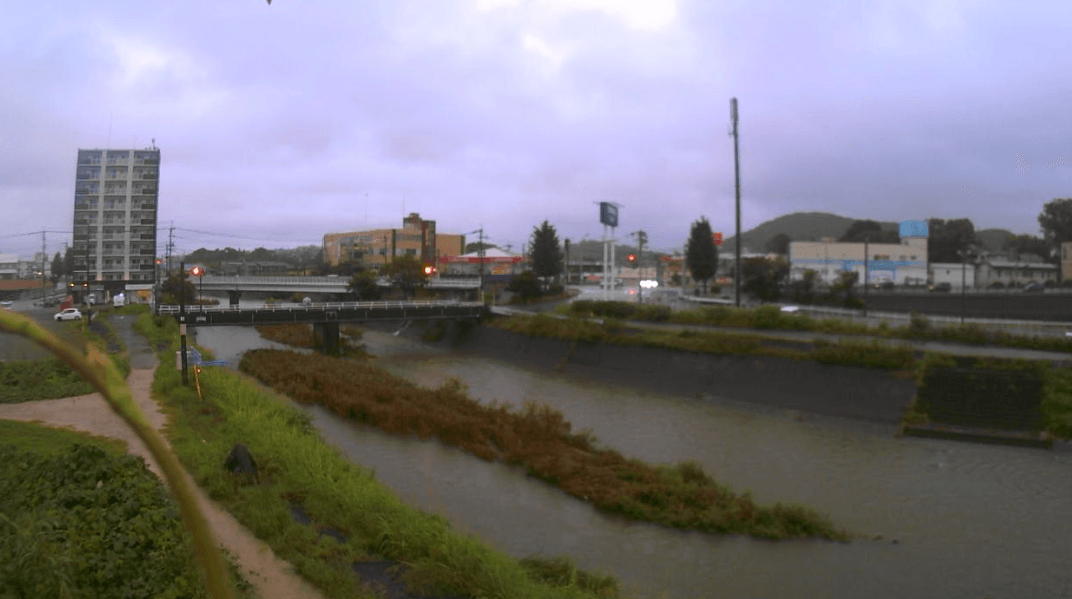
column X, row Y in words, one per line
column 1034, row 287
column 68, row 314
column 941, row 287
column 6, row 305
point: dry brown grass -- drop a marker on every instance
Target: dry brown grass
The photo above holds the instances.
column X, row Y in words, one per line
column 536, row 438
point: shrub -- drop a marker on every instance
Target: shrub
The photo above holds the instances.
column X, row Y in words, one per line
column 767, row 317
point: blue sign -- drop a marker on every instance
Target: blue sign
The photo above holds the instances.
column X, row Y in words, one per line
column 913, row 228
column 608, row 214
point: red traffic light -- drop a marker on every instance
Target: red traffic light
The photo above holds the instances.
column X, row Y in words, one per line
column 631, row 258
column 197, row 271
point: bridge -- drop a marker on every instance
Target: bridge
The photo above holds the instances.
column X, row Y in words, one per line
column 236, row 285
column 325, row 317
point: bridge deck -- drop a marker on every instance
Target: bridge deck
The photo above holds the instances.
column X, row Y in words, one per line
column 323, row 312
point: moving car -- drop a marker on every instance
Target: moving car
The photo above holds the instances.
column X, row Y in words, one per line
column 6, row 305
column 1034, row 287
column 68, row 314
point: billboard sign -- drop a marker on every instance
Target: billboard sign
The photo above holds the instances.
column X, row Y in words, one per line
column 608, row 214
column 717, row 238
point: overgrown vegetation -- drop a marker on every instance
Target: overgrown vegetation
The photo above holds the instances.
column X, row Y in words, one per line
column 52, row 378
column 771, row 317
column 536, row 438
column 86, row 523
column 869, row 354
column 298, row 470
column 1057, row 402
column 301, row 335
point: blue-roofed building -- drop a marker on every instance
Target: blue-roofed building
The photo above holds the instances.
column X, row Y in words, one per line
column 903, row 263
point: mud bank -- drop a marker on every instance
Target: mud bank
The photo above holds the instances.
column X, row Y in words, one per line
column 776, row 382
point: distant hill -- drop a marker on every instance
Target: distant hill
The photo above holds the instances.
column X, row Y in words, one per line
column 799, row 226
column 993, row 239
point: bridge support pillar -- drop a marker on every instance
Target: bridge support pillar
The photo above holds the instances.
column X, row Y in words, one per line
column 234, row 295
column 326, row 337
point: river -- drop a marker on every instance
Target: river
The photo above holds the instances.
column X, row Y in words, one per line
column 936, row 518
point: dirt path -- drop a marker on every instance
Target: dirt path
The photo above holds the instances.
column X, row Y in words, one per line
column 272, row 577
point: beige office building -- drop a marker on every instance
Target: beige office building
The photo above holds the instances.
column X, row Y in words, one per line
column 376, row 247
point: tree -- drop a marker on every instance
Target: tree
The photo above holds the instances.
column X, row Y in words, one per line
column 57, row 267
column 406, row 273
column 948, row 238
column 525, row 285
column 779, row 244
column 1055, row 220
column 363, row 286
column 701, row 255
column 171, row 290
column 1028, row 244
column 868, row 230
column 763, row 278
column 68, row 261
column 545, row 252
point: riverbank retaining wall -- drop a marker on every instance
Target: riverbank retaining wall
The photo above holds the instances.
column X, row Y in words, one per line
column 785, row 383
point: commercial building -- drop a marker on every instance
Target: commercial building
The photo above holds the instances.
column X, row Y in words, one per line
column 115, row 207
column 9, row 266
column 1010, row 273
column 903, row 263
column 376, row 247
column 954, row 273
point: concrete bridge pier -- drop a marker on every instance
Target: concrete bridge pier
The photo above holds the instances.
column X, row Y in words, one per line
column 326, row 337
column 234, row 296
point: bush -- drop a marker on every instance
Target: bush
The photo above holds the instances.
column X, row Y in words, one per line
column 767, row 317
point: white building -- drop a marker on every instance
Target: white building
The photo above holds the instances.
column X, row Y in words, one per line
column 903, row 263
column 115, row 205
column 9, row 266
column 955, row 274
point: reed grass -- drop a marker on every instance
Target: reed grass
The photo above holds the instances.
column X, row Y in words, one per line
column 536, row 438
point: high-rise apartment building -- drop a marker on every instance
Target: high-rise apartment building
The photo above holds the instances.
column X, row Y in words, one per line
column 115, row 201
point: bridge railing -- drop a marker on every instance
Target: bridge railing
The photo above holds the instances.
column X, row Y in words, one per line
column 192, row 309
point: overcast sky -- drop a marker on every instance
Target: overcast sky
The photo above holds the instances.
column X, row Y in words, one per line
column 280, row 123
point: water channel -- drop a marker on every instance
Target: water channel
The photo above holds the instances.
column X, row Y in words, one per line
column 936, row 518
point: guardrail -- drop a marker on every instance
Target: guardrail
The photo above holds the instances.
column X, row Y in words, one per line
column 195, row 308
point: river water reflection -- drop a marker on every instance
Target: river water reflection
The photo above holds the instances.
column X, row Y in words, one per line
column 968, row 520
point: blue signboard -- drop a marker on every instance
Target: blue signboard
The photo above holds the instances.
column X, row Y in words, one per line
column 608, row 214
column 913, row 228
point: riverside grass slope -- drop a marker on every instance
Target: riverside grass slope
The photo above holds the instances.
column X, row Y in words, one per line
column 537, row 439
column 297, row 469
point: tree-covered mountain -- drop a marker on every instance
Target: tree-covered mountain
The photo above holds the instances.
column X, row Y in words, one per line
column 993, row 239
column 799, row 226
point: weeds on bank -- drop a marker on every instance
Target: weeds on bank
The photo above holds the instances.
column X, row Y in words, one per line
column 301, row 335
column 772, row 318
column 536, row 438
column 869, row 354
column 52, row 378
column 297, row 468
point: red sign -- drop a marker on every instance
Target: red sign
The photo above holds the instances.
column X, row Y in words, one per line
column 717, row 238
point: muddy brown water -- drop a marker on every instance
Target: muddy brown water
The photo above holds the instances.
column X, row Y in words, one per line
column 935, row 518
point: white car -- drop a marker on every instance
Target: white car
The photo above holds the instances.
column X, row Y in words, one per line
column 68, row 314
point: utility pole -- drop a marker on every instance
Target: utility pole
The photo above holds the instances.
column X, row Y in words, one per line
column 44, row 256
column 866, row 250
column 642, row 238
column 737, row 182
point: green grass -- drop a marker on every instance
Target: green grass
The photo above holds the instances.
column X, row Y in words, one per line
column 850, row 352
column 45, row 440
column 1057, row 402
column 80, row 518
column 770, row 317
column 297, row 468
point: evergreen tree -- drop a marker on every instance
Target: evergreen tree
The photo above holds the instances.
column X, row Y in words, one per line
column 1055, row 220
column 701, row 254
column 546, row 254
column 57, row 267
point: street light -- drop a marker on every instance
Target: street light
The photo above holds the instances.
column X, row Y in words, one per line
column 197, row 271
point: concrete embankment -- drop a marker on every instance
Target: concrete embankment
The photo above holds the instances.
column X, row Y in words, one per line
column 771, row 381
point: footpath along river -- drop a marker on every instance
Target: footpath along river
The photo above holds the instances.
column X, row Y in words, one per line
column 939, row 518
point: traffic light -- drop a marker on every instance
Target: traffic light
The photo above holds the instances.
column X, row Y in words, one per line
column 429, row 269
column 632, row 259
column 197, row 271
